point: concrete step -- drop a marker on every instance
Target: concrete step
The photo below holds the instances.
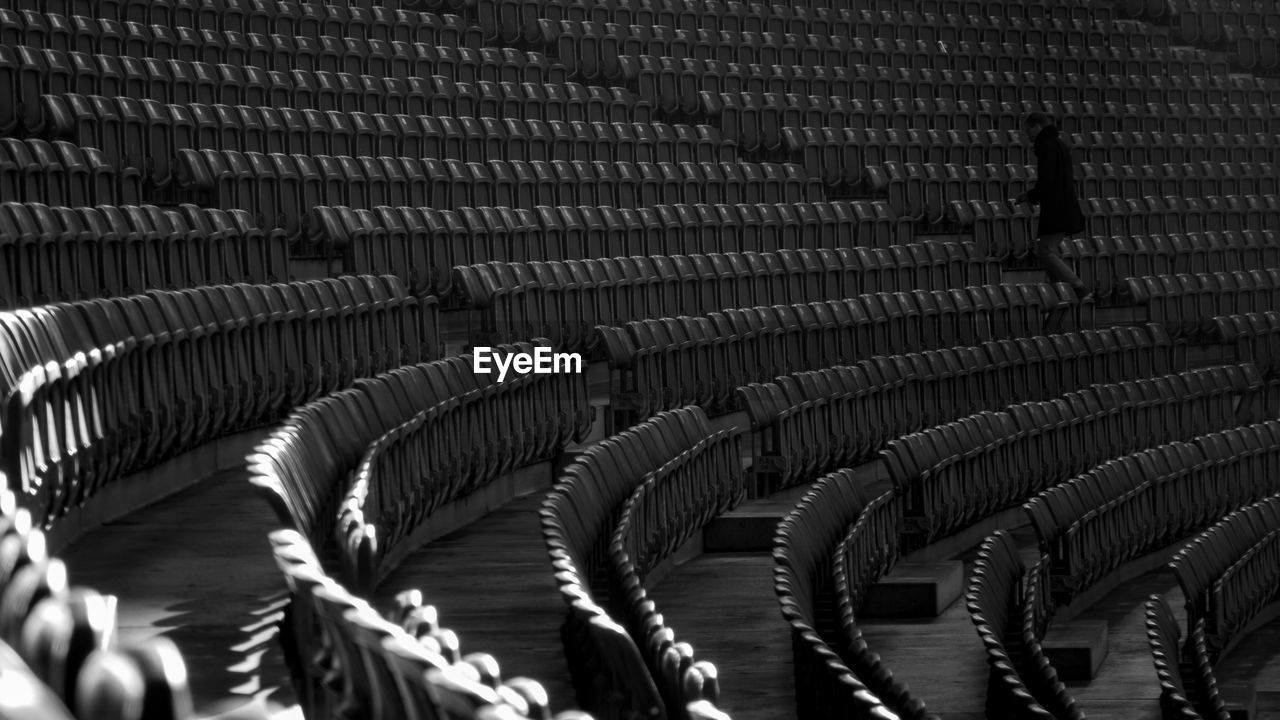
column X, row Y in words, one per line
column 1077, row 649
column 1024, row 275
column 1119, row 315
column 751, row 526
column 915, row 590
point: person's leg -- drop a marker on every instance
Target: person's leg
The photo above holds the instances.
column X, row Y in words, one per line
column 1046, row 252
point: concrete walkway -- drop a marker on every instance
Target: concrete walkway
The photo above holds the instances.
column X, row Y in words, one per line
column 196, row 567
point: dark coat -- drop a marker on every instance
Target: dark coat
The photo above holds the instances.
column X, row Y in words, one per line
column 1055, row 190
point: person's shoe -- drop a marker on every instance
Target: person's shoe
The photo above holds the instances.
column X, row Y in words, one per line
column 1087, row 298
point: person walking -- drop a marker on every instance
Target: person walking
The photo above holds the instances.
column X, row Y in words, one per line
column 1055, row 193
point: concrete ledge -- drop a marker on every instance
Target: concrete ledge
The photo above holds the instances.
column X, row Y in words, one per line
column 967, row 539
column 915, row 590
column 1023, row 275
column 1240, row 697
column 1120, row 315
column 138, row 490
column 313, row 268
column 741, row 531
column 1077, row 650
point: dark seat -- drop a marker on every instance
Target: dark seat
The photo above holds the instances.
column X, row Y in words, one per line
column 1001, row 599
column 803, row 549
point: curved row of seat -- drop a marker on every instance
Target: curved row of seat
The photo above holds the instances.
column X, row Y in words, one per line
column 671, row 506
column 59, row 656
column 753, row 120
column 841, row 156
column 866, row 553
column 869, row 550
column 1146, row 148
column 404, row 665
column 588, row 47
column 810, row 423
column 955, row 474
column 279, row 189
column 1133, row 504
column 1228, row 577
column 617, row 675
column 284, row 53
column 1005, row 231
column 1190, row 119
column 1107, row 261
column 511, row 19
column 335, row 644
column 678, row 85
column 146, row 135
column 97, row 389
column 1178, row 214
column 1004, row 600
column 57, row 254
column 1137, row 57
column 925, row 192
column 671, row 81
column 914, row 188
column 488, row 426
column 1229, row 573
column 661, row 364
column 1188, row 686
column 184, row 12
column 306, row 465
column 1192, row 180
column 1188, row 304
column 33, row 72
column 363, row 21
column 827, row 551
column 565, row 300
column 1091, row 525
column 423, row 244
column 302, row 471
column 967, row 161
column 1011, row 605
